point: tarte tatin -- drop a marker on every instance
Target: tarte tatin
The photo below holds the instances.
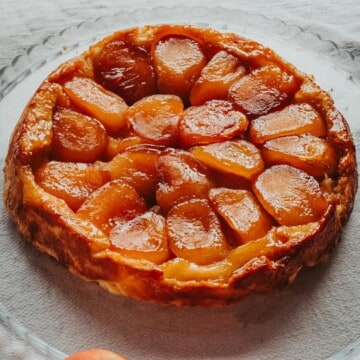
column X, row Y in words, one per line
column 181, row 165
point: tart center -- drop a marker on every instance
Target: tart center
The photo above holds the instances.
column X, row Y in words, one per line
column 209, row 158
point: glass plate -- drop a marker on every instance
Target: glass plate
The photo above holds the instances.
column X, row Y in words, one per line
column 60, row 314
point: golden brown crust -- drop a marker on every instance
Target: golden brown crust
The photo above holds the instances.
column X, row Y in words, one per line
column 49, row 224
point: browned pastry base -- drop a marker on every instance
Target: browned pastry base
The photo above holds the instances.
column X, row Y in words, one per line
column 58, row 226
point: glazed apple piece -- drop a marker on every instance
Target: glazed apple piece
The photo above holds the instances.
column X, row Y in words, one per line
column 306, row 152
column 295, row 119
column 178, row 62
column 215, row 121
column 77, row 138
column 126, row 70
column 143, row 237
column 180, row 177
column 290, row 195
column 238, row 157
column 117, row 146
column 114, row 202
column 242, row 212
column 216, row 78
column 72, row 182
column 194, row 232
column 136, row 166
column 263, row 90
column 96, row 101
column 156, row 118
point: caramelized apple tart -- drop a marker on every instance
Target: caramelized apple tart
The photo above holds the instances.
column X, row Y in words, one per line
column 181, row 165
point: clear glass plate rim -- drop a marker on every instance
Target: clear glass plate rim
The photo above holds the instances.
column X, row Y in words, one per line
column 20, row 67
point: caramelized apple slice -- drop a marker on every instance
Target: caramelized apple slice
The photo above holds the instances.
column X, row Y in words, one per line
column 97, row 102
column 117, row 146
column 115, row 202
column 195, row 233
column 143, row 237
column 156, row 118
column 126, row 70
column 242, row 212
column 236, row 157
column 181, row 177
column 294, row 119
column 215, row 121
column 290, row 195
column 72, row 182
column 77, row 137
column 306, row 152
column 263, row 90
column 216, row 78
column 136, row 166
column 178, row 63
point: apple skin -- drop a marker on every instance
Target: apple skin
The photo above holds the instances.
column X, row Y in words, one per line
column 95, row 354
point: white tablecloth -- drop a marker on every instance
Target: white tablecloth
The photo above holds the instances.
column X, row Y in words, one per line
column 24, row 23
